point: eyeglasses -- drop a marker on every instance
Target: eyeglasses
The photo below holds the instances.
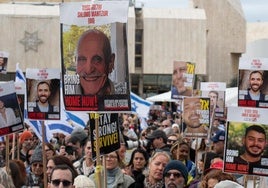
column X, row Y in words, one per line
column 37, row 164
column 111, row 157
column 57, row 182
column 175, row 174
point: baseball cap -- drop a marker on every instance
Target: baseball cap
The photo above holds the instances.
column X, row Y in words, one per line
column 218, row 164
column 219, row 136
column 157, row 134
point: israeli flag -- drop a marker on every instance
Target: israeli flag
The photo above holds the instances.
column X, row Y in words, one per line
column 68, row 122
column 59, row 127
column 19, row 75
column 77, row 119
column 36, row 126
column 140, row 106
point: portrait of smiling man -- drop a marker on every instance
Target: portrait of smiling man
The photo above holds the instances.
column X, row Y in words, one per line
column 254, row 142
column 43, row 95
column 192, row 118
column 255, row 84
column 95, row 61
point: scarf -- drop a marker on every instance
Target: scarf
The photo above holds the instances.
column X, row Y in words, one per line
column 111, row 175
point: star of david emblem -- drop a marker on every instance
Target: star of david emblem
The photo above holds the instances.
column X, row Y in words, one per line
column 31, row 41
column 134, row 107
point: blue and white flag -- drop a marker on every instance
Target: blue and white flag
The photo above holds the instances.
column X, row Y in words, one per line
column 140, row 106
column 36, row 126
column 19, row 75
column 59, row 127
column 69, row 120
column 77, row 119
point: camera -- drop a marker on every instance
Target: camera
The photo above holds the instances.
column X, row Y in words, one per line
column 70, row 150
column 135, row 144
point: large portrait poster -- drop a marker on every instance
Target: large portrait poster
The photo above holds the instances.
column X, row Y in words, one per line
column 109, row 139
column 43, row 94
column 3, row 62
column 246, row 141
column 253, row 82
column 94, row 56
column 216, row 92
column 10, row 114
column 182, row 79
column 196, row 116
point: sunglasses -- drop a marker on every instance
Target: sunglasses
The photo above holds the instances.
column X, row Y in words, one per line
column 175, row 174
column 57, row 182
column 37, row 164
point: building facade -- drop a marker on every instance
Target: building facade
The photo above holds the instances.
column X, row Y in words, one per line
column 210, row 33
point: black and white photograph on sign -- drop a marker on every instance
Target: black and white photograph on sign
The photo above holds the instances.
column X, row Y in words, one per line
column 43, row 94
column 109, row 137
column 182, row 79
column 246, row 142
column 94, row 59
column 10, row 114
column 196, row 116
column 3, row 62
column 253, row 84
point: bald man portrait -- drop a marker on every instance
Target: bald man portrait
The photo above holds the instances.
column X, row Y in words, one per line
column 95, row 61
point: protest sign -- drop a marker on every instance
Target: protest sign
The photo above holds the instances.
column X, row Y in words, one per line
column 108, row 133
column 10, row 114
column 94, row 56
column 253, row 82
column 246, row 137
column 43, row 94
column 182, row 79
column 196, row 116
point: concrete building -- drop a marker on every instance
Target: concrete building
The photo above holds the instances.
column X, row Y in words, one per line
column 211, row 34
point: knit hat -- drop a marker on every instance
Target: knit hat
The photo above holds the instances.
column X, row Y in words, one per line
column 37, row 155
column 175, row 125
column 25, row 135
column 177, row 165
column 83, row 181
column 78, row 135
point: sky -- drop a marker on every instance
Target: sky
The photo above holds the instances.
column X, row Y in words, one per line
column 254, row 10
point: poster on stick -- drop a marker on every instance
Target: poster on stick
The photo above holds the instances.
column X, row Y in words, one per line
column 10, row 114
column 108, row 133
column 182, row 79
column 246, row 149
column 94, row 56
column 3, row 62
column 43, row 94
column 196, row 116
column 253, row 82
column 216, row 92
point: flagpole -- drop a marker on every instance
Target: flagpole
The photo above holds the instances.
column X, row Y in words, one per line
column 98, row 161
column 7, row 154
column 13, row 146
column 44, row 154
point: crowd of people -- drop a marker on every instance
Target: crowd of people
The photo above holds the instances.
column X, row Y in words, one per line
column 163, row 158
